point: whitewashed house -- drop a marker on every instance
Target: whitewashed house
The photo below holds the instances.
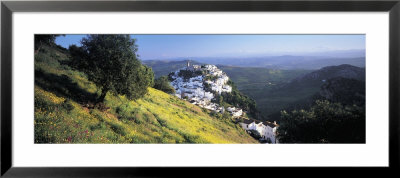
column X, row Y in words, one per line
column 245, row 123
column 193, row 90
column 227, row 88
column 267, row 130
column 236, row 112
column 208, row 95
column 196, row 67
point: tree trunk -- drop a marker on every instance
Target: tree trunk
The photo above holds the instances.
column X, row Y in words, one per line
column 102, row 96
column 38, row 48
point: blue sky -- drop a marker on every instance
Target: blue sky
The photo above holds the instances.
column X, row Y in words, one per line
column 175, row 46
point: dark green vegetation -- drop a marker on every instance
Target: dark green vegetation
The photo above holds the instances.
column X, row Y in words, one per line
column 48, row 40
column 234, row 98
column 238, row 99
column 307, row 88
column 324, row 122
column 264, row 86
column 325, row 106
column 65, row 112
column 164, row 67
column 344, row 90
column 111, row 63
column 163, row 84
column 250, row 79
column 275, row 90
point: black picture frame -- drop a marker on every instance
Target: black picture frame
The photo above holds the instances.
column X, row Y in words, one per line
column 8, row 7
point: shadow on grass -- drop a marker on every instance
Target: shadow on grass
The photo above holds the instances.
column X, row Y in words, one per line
column 63, row 86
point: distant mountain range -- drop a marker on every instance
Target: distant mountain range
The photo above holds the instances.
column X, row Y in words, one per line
column 287, row 62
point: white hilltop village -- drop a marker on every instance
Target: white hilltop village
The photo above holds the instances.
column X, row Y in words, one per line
column 197, row 86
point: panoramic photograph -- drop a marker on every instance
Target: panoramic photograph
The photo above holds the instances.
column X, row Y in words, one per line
column 199, row 88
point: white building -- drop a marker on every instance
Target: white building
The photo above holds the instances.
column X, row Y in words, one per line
column 210, row 67
column 216, row 72
column 193, row 89
column 267, row 130
column 227, row 88
column 236, row 112
column 196, row 67
column 245, row 123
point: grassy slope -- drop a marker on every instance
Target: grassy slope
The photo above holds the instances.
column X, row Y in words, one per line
column 60, row 116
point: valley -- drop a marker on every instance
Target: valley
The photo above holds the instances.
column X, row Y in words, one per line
column 276, row 89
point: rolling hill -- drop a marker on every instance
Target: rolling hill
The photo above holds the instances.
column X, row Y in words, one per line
column 347, row 91
column 302, row 91
column 275, row 89
column 284, row 62
column 262, row 85
column 318, row 77
column 255, row 78
column 64, row 112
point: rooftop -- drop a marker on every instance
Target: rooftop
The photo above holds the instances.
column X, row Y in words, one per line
column 247, row 121
column 271, row 124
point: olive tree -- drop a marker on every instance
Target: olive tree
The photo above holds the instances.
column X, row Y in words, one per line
column 111, row 62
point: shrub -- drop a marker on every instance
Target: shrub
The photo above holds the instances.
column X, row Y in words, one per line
column 163, row 84
column 67, row 104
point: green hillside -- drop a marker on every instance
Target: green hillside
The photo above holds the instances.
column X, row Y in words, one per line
column 265, row 87
column 64, row 112
column 249, row 79
column 275, row 90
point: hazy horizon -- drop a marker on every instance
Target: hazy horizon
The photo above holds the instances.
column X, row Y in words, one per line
column 167, row 47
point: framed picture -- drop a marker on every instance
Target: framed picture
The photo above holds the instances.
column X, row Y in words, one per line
column 136, row 88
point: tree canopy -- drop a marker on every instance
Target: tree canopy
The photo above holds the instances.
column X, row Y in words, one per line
column 324, row 122
column 42, row 39
column 111, row 62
